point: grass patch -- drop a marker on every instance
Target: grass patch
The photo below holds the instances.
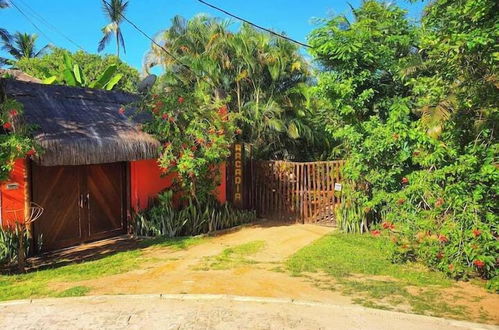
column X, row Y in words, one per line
column 37, row 284
column 234, row 256
column 76, row 291
column 359, row 266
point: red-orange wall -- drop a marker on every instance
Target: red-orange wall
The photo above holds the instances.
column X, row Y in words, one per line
column 146, row 182
column 13, row 202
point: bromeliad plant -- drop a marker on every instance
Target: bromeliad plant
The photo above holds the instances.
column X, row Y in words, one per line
column 15, row 141
column 193, row 218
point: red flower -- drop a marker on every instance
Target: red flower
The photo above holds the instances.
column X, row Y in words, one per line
column 477, row 232
column 13, row 112
column 401, row 201
column 7, row 126
column 31, row 152
column 121, row 111
column 165, row 116
column 171, row 120
column 439, row 202
column 375, row 233
column 222, row 112
column 184, row 145
column 443, row 238
column 478, row 263
column 388, row 225
column 181, row 100
column 405, row 180
column 194, row 148
column 159, row 104
column 239, row 131
column 440, row 255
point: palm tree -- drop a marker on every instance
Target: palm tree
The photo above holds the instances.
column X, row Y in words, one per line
column 22, row 45
column 4, row 34
column 114, row 11
column 263, row 78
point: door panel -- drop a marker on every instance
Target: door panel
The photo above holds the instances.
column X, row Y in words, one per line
column 57, row 190
column 105, row 186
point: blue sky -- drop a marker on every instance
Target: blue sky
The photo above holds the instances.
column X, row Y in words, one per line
column 82, row 20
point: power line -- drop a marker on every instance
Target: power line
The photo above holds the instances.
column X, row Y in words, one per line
column 54, row 28
column 254, row 25
column 152, row 40
column 32, row 23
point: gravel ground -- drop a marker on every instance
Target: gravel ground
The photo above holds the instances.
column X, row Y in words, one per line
column 207, row 312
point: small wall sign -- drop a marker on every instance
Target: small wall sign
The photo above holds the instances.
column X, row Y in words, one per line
column 337, row 187
column 12, row 186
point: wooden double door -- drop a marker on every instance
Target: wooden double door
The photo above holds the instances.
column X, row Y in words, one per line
column 81, row 203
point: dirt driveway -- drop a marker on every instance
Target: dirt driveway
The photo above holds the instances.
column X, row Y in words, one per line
column 205, row 268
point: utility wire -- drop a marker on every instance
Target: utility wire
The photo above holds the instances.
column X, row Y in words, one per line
column 32, row 23
column 152, row 40
column 51, row 26
column 255, row 25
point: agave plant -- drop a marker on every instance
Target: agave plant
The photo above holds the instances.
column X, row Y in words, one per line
column 194, row 218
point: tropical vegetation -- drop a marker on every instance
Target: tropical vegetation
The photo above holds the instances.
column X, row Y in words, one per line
column 81, row 69
column 21, row 45
column 263, row 80
column 414, row 112
column 114, row 10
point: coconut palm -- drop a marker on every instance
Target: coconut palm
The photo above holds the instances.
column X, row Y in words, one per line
column 4, row 34
column 22, row 45
column 114, row 11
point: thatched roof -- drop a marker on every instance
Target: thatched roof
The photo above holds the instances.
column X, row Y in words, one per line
column 77, row 126
column 18, row 75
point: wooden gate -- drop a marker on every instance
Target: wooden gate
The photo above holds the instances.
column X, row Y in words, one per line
column 303, row 192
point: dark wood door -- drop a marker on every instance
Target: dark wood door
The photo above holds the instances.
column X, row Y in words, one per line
column 57, row 190
column 81, row 203
column 105, row 187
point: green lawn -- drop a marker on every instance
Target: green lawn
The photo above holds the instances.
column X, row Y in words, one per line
column 359, row 266
column 37, row 284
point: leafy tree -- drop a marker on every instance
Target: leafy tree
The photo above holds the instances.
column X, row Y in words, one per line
column 91, row 66
column 114, row 12
column 22, row 45
column 264, row 80
column 415, row 112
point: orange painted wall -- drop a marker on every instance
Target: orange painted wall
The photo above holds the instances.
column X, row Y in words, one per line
column 146, row 182
column 13, row 202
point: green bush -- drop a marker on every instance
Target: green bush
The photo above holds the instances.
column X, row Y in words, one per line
column 193, row 218
column 9, row 243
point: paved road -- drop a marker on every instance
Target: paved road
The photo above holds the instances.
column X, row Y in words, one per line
column 207, row 312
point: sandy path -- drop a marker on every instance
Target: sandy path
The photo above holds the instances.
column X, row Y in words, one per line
column 179, row 271
column 208, row 312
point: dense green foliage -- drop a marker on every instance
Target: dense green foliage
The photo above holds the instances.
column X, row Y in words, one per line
column 415, row 112
column 20, row 45
column 15, row 141
column 263, row 80
column 92, row 67
column 191, row 218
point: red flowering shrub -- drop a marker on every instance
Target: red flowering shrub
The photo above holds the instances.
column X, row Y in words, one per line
column 195, row 138
column 14, row 139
